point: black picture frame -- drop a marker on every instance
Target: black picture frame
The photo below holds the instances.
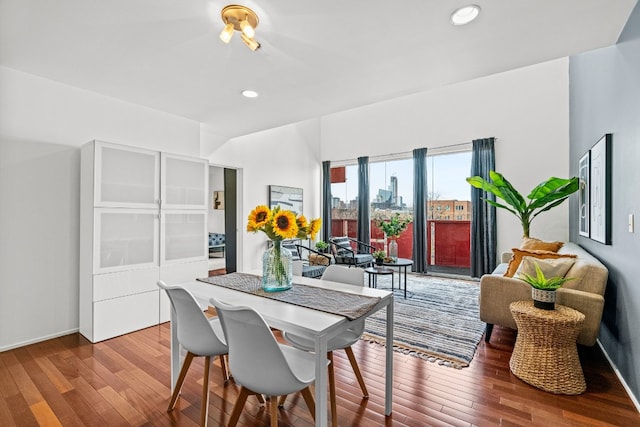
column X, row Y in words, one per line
column 287, row 198
column 583, row 194
column 600, row 190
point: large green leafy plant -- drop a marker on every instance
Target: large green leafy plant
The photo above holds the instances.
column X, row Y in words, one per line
column 546, row 195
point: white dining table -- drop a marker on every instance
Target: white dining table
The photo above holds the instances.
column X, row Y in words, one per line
column 299, row 320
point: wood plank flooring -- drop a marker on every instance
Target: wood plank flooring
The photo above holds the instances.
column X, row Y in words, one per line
column 124, row 381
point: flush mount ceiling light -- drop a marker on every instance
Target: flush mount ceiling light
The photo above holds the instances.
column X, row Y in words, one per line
column 242, row 19
column 249, row 93
column 465, row 14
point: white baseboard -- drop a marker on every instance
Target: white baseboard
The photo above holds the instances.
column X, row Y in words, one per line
column 37, row 340
column 633, row 398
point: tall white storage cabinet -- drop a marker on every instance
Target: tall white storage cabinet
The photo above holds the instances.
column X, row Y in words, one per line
column 143, row 217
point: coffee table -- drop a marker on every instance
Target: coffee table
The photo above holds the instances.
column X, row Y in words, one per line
column 400, row 263
column 373, row 273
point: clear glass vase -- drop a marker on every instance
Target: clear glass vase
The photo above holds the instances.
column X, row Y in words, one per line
column 277, row 268
column 393, row 249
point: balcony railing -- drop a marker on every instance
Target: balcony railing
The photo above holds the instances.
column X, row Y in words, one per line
column 448, row 242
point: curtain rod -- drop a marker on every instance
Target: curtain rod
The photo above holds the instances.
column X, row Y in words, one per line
column 438, row 150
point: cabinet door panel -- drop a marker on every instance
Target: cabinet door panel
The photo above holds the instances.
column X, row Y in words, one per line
column 184, row 182
column 119, row 316
column 126, row 176
column 125, row 239
column 184, row 236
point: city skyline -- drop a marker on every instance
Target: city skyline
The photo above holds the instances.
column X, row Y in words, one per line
column 446, row 178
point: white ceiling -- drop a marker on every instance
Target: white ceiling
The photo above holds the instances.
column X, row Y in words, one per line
column 317, row 56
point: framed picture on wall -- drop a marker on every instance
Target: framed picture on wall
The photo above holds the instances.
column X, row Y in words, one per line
column 218, row 200
column 287, row 198
column 583, row 195
column 600, row 191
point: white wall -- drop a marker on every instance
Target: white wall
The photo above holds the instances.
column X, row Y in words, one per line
column 42, row 125
column 290, row 156
column 527, row 110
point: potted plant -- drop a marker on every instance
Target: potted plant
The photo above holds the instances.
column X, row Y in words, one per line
column 322, row 246
column 543, row 197
column 392, row 228
column 379, row 256
column 543, row 290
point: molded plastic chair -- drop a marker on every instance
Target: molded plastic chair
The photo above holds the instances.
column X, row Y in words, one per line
column 350, row 276
column 200, row 337
column 260, row 364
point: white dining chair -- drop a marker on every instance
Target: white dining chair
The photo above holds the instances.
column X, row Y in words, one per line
column 261, row 365
column 198, row 335
column 344, row 340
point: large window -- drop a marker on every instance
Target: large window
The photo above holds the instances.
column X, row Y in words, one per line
column 344, row 202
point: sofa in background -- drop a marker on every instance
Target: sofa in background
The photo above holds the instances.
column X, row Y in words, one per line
column 216, row 244
column 584, row 293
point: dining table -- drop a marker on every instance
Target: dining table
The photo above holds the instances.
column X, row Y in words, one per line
column 318, row 324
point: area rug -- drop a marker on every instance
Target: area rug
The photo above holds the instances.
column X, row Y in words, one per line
column 439, row 321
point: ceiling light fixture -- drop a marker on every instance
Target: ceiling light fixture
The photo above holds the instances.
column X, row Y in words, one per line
column 465, row 14
column 242, row 19
column 249, row 93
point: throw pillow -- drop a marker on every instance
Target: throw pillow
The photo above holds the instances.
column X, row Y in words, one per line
column 557, row 267
column 533, row 244
column 518, row 254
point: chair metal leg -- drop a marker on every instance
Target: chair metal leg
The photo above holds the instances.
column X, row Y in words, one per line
column 356, row 370
column 205, row 392
column 238, row 406
column 273, row 406
column 332, row 391
column 183, row 373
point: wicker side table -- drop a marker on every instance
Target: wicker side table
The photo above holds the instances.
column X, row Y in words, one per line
column 545, row 354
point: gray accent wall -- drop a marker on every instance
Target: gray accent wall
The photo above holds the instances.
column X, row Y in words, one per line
column 604, row 87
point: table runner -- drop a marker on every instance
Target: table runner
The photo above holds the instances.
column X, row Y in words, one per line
column 331, row 301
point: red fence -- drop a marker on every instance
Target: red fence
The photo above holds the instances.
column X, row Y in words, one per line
column 448, row 244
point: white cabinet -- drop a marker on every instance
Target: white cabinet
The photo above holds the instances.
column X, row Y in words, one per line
column 143, row 218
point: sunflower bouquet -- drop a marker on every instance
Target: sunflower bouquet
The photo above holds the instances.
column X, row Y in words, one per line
column 279, row 225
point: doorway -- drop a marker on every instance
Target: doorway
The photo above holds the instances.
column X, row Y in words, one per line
column 221, row 222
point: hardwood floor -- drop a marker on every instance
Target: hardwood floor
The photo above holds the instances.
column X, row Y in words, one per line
column 125, row 382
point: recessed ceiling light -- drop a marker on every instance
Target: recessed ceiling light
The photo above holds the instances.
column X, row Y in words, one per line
column 465, row 14
column 249, row 93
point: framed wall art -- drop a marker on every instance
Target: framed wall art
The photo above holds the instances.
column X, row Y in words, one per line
column 583, row 195
column 287, row 198
column 600, row 191
column 218, row 200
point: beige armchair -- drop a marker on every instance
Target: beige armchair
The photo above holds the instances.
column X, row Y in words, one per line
column 584, row 293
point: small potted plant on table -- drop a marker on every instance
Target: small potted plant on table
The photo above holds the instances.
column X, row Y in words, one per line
column 379, row 256
column 543, row 290
column 322, row 246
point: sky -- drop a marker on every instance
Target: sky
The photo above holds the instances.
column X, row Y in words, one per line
column 446, row 177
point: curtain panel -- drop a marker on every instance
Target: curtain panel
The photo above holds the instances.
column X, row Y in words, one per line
column 483, row 219
column 326, row 201
column 364, row 232
column 419, row 210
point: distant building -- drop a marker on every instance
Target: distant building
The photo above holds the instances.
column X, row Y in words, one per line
column 449, row 210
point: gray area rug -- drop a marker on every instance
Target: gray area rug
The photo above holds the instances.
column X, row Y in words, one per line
column 439, row 321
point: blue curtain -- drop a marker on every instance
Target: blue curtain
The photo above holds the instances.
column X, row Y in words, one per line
column 483, row 220
column 364, row 234
column 326, row 201
column 419, row 210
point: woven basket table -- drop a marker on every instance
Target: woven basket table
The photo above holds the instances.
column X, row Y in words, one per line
column 545, row 354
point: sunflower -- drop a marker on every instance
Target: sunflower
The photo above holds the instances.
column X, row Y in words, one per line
column 302, row 221
column 284, row 224
column 258, row 218
column 314, row 228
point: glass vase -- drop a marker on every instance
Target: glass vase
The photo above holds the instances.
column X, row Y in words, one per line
column 393, row 249
column 277, row 268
